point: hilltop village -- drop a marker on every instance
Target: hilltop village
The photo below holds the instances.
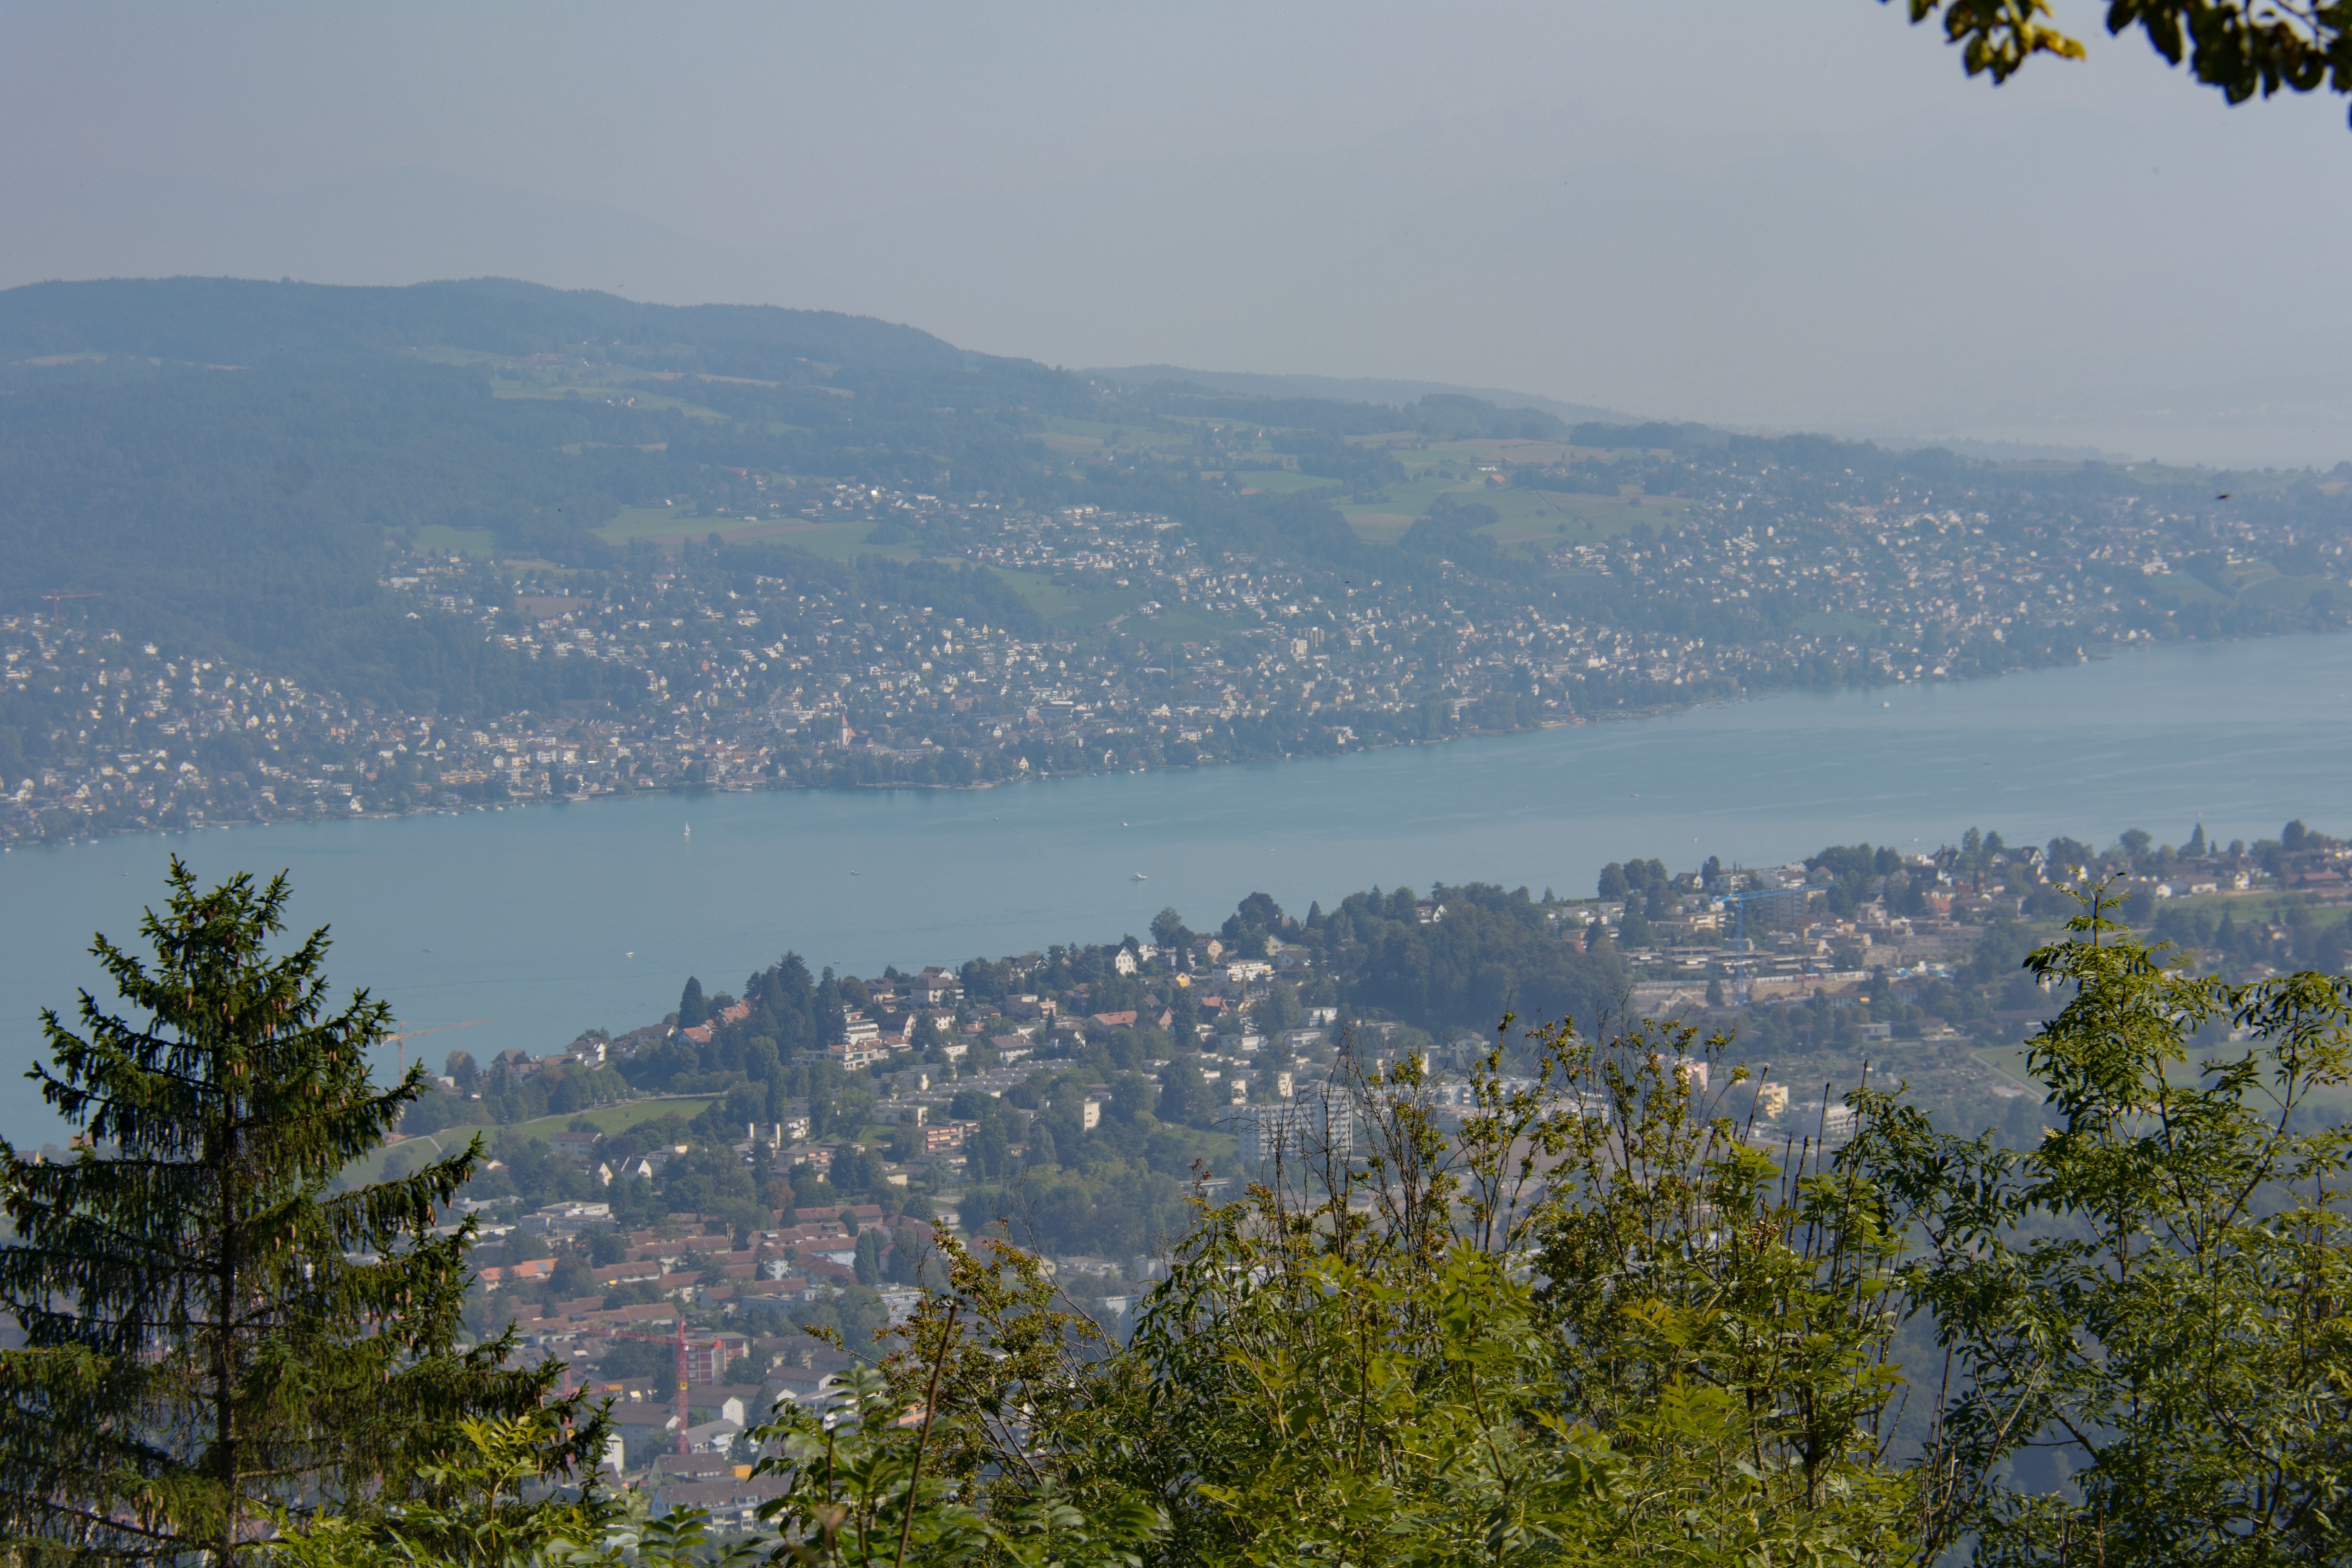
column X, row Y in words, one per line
column 754, row 1166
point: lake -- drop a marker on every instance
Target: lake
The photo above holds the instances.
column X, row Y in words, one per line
column 553, row 919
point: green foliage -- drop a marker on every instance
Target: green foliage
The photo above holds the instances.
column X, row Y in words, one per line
column 1514, row 1346
column 2241, row 48
column 860, row 1492
column 208, row 1333
column 469, row 1509
column 1358, row 1365
column 1998, row 35
column 1493, row 952
column 2155, row 1294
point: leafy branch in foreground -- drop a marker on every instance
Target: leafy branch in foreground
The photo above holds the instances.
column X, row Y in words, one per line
column 2242, row 46
column 2157, row 1295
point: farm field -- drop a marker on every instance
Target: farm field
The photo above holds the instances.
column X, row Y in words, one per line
column 663, row 525
column 832, row 540
column 1090, row 436
column 1063, row 609
column 1522, row 515
column 840, row 541
column 440, row 538
column 1281, row 481
column 627, row 396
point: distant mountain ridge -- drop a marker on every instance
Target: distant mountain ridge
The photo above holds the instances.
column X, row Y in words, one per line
column 1361, row 389
column 218, row 320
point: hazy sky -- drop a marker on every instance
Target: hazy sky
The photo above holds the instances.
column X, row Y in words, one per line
column 1787, row 214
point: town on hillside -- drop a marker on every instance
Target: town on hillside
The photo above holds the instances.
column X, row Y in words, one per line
column 760, row 1164
column 982, row 643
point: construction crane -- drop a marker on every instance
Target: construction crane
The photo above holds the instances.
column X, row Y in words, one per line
column 678, row 1342
column 60, row 595
column 402, row 1039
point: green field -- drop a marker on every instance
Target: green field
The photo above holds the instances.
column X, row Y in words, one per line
column 1050, row 599
column 837, row 541
column 440, row 538
column 1063, row 609
column 1281, row 481
column 1091, row 435
column 2277, row 593
column 1478, row 452
column 508, row 387
column 1610, row 514
column 2008, row 1062
column 1379, row 523
column 665, row 525
column 1522, row 515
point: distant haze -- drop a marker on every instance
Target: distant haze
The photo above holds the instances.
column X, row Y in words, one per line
column 1794, row 215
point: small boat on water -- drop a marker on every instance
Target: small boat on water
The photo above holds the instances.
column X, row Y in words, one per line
column 1141, row 877
column 689, row 830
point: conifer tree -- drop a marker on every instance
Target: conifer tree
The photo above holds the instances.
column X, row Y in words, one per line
column 213, row 1333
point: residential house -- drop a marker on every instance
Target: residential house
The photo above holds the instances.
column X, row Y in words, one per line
column 713, row 1437
column 578, row 1147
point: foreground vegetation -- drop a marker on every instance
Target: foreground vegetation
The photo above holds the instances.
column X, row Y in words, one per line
column 1583, row 1318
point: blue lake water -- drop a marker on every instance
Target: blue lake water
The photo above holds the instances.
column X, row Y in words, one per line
column 555, row 919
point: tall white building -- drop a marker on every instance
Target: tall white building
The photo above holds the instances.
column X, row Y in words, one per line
column 1320, row 1121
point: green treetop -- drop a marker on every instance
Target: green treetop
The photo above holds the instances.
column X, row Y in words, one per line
column 213, row 1336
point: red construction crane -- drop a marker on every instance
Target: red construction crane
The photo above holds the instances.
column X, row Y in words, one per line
column 678, row 1341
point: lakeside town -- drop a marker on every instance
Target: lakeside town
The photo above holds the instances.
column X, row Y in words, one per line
column 753, row 1188
column 746, row 665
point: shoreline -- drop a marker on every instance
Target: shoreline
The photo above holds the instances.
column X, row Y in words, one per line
column 2085, row 656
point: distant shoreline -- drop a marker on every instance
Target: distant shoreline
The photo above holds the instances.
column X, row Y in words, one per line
column 2088, row 656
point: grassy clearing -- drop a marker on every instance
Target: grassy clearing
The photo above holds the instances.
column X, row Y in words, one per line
column 634, row 397
column 1522, row 515
column 662, row 525
column 1116, row 435
column 440, row 538
column 1480, row 452
column 1177, row 623
column 1094, row 609
column 2279, row 593
column 1280, row 481
column 839, row 541
column 1065, row 608
column 1049, row 598
column 2007, row 1061
column 1376, row 525
column 1417, row 494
